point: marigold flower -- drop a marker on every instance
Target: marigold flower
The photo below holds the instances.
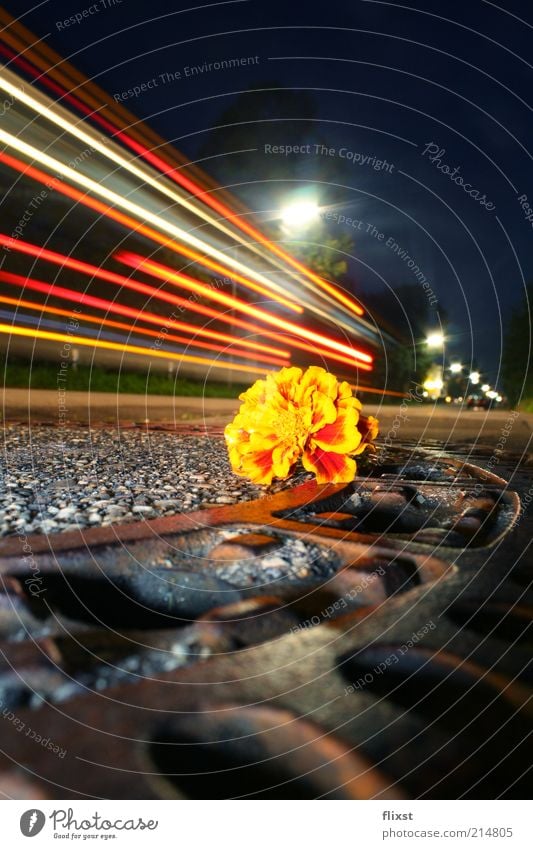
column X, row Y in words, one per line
column 293, row 415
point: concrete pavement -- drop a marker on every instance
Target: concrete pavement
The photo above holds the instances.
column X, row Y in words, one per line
column 412, row 420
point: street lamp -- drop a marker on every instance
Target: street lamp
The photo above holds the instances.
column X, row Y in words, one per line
column 435, row 340
column 474, row 377
column 300, row 214
column 485, row 387
column 456, row 368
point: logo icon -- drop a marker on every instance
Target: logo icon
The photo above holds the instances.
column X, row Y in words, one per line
column 32, row 822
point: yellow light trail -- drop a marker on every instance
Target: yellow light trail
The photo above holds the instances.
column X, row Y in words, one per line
column 61, row 118
column 51, row 336
column 162, row 272
column 145, row 215
column 128, row 283
column 85, row 268
column 136, row 329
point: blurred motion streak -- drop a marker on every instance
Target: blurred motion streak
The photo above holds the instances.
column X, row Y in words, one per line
column 127, row 174
column 13, row 330
column 93, row 144
column 144, row 331
column 128, row 282
column 168, row 275
column 196, row 190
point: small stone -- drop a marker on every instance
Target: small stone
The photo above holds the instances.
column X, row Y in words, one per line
column 65, row 513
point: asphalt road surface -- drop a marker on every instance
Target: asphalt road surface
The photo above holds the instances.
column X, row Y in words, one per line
column 409, row 421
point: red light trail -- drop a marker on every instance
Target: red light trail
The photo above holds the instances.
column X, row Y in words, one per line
column 162, row 272
column 192, row 187
column 120, row 280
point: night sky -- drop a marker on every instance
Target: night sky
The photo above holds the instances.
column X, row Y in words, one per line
column 387, row 80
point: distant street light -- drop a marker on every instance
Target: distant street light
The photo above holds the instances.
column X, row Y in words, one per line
column 456, row 368
column 433, row 384
column 300, row 214
column 485, row 387
column 474, row 377
column 435, row 340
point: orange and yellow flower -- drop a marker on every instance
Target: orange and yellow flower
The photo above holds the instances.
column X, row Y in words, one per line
column 293, row 415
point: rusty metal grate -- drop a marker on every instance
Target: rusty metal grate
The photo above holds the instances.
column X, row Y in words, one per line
column 370, row 640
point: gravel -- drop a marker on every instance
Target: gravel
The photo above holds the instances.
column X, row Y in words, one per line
column 62, row 479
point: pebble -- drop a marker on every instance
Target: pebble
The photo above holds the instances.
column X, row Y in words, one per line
column 102, row 476
column 65, row 513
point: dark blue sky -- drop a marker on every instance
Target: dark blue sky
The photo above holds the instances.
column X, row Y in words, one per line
column 387, row 79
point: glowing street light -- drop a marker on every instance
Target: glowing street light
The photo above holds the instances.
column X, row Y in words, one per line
column 300, row 214
column 456, row 368
column 485, row 387
column 434, row 384
column 435, row 340
column 474, row 377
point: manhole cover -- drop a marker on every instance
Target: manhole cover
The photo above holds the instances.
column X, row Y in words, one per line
column 334, row 641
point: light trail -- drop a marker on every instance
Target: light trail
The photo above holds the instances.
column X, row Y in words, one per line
column 93, row 271
column 237, row 221
column 128, row 283
column 243, row 225
column 32, row 333
column 85, row 299
column 162, row 272
column 268, row 289
column 177, row 278
column 193, row 188
column 135, row 329
column 115, row 215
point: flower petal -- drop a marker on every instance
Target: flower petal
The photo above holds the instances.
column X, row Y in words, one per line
column 346, row 398
column 328, row 466
column 287, row 381
column 317, row 379
column 341, row 436
column 257, row 466
column 369, row 427
column 323, row 411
